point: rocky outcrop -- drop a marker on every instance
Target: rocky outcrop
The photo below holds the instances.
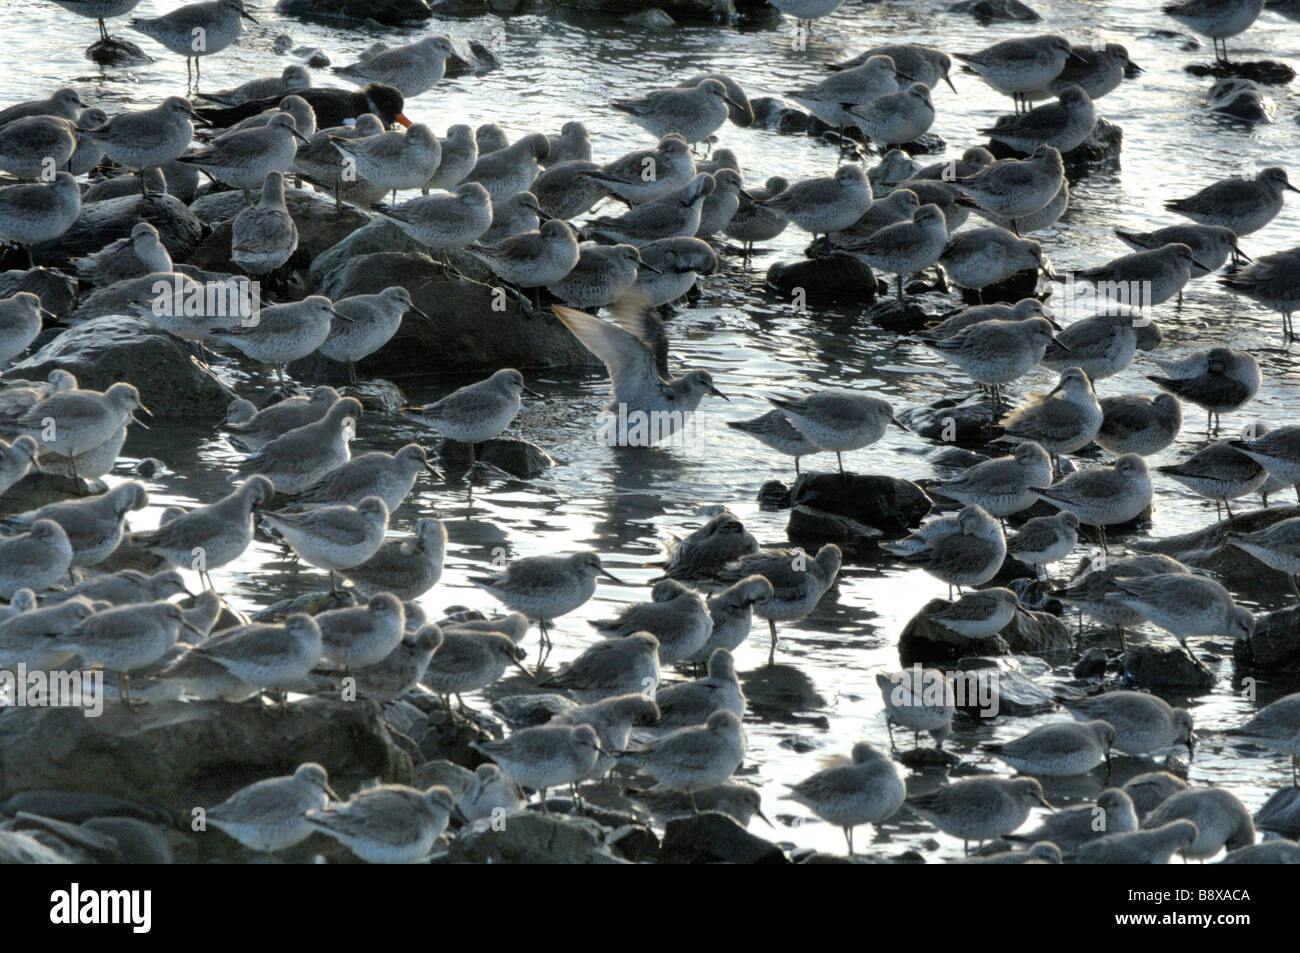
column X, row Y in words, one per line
column 115, row 348
column 528, row 837
column 101, row 223
column 180, row 755
column 387, row 12
column 853, row 508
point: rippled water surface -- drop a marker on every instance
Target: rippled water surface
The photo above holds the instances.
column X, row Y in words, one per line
column 623, row 503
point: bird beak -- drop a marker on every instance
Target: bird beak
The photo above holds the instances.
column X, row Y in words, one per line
column 609, row 575
column 543, row 216
column 1076, row 57
column 333, row 794
column 1057, row 342
column 301, row 138
column 1131, row 67
column 531, row 393
column 649, row 267
column 898, row 423
column 1207, row 268
column 186, row 625
column 717, row 393
column 1043, row 801
column 436, row 472
column 745, row 194
column 733, row 104
column 1047, row 271
column 1191, row 748
column 1290, row 188
column 419, row 314
column 248, row 16
column 948, row 80
column 1237, row 251
column 199, row 119
column 763, row 817
column 403, row 120
column 523, row 668
column 343, row 317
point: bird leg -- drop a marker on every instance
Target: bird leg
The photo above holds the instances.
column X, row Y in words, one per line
column 771, row 652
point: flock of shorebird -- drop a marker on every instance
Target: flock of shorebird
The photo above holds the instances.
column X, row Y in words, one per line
column 509, row 205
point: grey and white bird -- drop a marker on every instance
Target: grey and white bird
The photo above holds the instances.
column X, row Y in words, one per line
column 1062, row 420
column 270, row 815
column 1276, row 546
column 389, row 476
column 1143, row 723
column 544, row 588
column 895, row 118
column 242, row 159
column 1220, row 473
column 1103, row 496
column 21, row 317
column 412, row 68
column 1217, row 19
column 694, row 113
column 693, row 758
column 139, row 254
column 979, row 809
column 477, row 412
column 906, row 248
column 1044, row 540
column 394, row 160
column 283, row 332
column 670, row 267
column 645, row 175
column 255, row 428
column 445, row 221
column 1059, row 749
column 388, row 824
column 334, row 537
column 1012, row 188
column 674, row 216
column 1019, row 66
column 648, row 404
column 41, row 212
column 602, row 276
column 298, row 458
column 1218, row 379
column 827, row 204
column 979, row 257
column 1135, row 423
column 611, row 667
column 218, row 22
column 512, row 169
column 1002, row 485
column 676, row 615
column 1103, row 345
column 1063, row 125
column 866, row 790
column 264, row 237
column 838, row 420
column 1244, row 204
column 369, row 322
column 1184, row 606
column 1273, row 281
column 531, row 259
column 150, row 137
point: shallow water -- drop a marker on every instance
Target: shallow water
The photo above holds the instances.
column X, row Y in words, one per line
column 621, row 503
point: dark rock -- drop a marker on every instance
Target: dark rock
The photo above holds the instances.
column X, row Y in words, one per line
column 1037, row 633
column 39, row 488
column 926, row 642
column 106, row 350
column 901, row 317
column 1092, row 664
column 1274, row 646
column 839, row 276
column 76, row 807
column 57, row 291
column 712, row 838
column 1023, row 284
column 117, row 52
column 952, row 420
column 1149, row 666
column 469, row 335
column 378, row 235
column 137, row 842
column 929, row 144
column 387, row 12
column 635, row 842
column 180, row 754
column 854, row 506
column 1281, row 812
column 995, row 11
column 925, row 759
column 448, row 735
column 990, row 688
column 519, row 458
column 528, row 837
column 101, row 223
column 1268, row 72
column 708, row 11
